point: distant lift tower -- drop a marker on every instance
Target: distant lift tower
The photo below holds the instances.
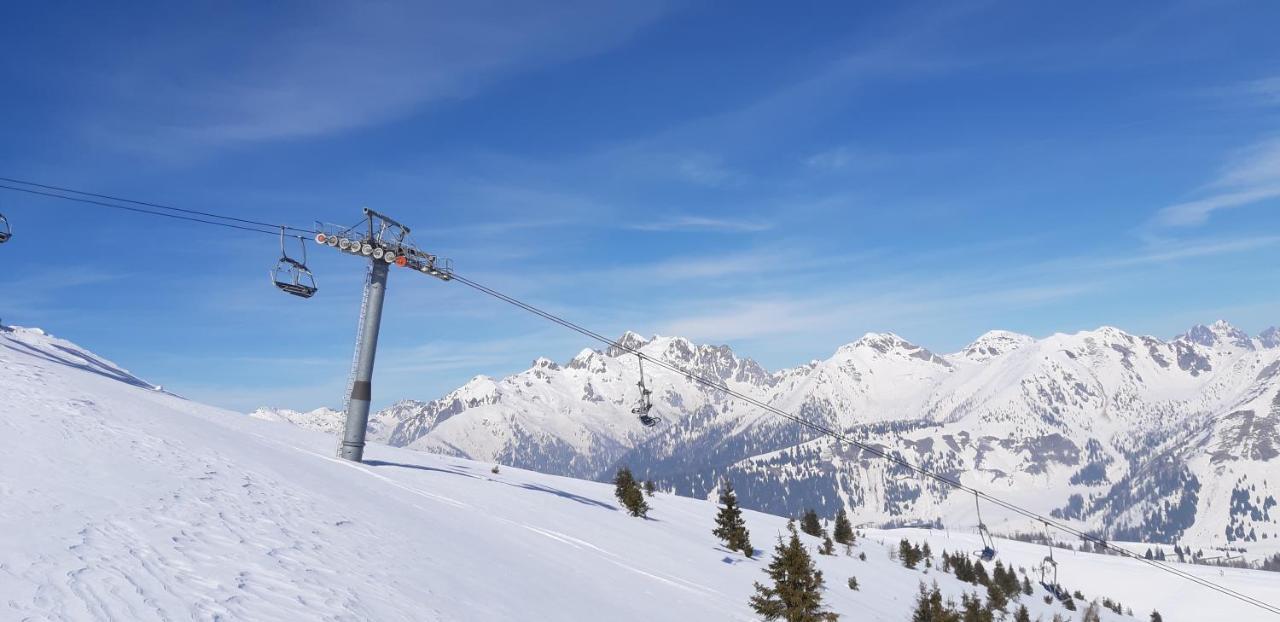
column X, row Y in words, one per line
column 385, row 243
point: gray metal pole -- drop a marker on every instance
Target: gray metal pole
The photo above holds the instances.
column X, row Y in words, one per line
column 361, row 389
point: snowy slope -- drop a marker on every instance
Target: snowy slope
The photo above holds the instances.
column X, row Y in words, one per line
column 1131, row 436
column 121, row 502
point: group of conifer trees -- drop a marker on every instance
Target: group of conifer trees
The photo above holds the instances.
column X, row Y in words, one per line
column 794, row 592
column 796, row 585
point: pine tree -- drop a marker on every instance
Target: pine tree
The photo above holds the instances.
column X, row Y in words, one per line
column 908, row 553
column 996, row 598
column 1006, row 579
column 1022, row 615
column 796, row 593
column 636, row 504
column 1155, row 616
column 980, row 574
column 853, row 583
column 650, row 487
column 1026, row 585
column 929, row 607
column 1091, row 614
column 629, row 494
column 622, row 482
column 810, row 524
column 828, row 547
column 843, row 531
column 730, row 527
column 973, row 609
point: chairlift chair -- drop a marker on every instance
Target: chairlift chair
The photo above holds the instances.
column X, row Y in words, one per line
column 988, row 551
column 646, row 403
column 293, row 276
column 1049, row 569
column 1049, row 574
column 6, row 232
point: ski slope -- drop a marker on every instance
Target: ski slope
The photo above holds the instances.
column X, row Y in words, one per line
column 119, row 501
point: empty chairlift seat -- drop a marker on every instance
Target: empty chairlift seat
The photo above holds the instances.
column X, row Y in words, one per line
column 293, row 276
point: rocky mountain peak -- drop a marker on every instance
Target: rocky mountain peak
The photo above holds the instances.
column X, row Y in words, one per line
column 1269, row 338
column 994, row 343
column 1218, row 334
column 627, row 340
column 890, row 344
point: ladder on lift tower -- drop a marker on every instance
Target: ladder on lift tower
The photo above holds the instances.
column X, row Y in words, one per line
column 355, row 358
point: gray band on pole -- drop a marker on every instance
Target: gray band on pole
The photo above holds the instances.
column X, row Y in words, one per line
column 361, row 389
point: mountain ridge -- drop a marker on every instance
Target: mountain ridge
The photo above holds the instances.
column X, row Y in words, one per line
column 1065, row 422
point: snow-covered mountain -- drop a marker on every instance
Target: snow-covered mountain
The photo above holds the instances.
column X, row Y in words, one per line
column 331, row 421
column 1131, row 436
column 119, row 501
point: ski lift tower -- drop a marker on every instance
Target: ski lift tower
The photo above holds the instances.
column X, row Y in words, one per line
column 385, row 243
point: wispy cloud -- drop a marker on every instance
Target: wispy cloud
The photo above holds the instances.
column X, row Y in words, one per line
column 355, row 65
column 922, row 297
column 746, row 319
column 1267, row 90
column 238, row 397
column 1253, row 176
column 703, row 223
column 37, row 293
column 1257, row 92
column 758, row 318
column 843, row 158
column 703, row 169
column 1168, row 251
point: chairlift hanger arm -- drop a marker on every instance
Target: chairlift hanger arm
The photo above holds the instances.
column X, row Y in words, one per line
column 387, row 219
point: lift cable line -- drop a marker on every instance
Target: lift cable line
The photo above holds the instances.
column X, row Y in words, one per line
column 825, row 430
column 147, row 204
column 383, row 240
column 382, row 230
column 273, row 231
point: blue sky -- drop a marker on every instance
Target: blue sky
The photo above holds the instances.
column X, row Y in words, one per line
column 781, row 177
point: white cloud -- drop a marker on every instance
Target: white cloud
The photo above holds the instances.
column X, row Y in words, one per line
column 356, row 64
column 1260, row 92
column 1266, row 89
column 703, row 169
column 1252, row 177
column 843, row 158
column 834, row 316
column 1258, row 165
column 1197, row 212
column 1181, row 249
column 703, row 223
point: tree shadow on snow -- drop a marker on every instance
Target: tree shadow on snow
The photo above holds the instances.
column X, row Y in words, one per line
column 563, row 494
column 419, row 467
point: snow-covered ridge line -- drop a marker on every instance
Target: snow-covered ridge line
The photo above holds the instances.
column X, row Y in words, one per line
column 1147, row 438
